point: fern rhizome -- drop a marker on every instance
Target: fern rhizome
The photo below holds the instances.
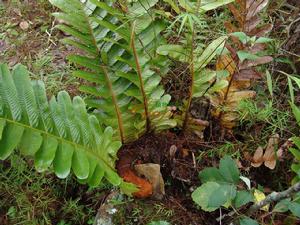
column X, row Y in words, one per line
column 124, row 55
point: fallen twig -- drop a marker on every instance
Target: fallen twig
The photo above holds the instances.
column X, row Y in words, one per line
column 273, row 197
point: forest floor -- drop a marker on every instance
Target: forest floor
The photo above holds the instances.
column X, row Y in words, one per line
column 27, row 36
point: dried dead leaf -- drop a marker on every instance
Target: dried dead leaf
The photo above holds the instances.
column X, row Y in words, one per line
column 271, row 164
column 269, row 156
column 248, row 74
column 247, row 156
column 260, row 61
column 237, row 14
column 17, row 11
column 257, row 159
column 226, row 62
column 185, row 152
column 239, row 164
column 172, row 151
column 255, row 7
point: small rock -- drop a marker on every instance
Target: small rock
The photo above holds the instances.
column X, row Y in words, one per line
column 107, row 210
column 152, row 173
column 24, row 25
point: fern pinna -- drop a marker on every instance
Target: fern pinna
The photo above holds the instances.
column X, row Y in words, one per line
column 118, row 59
column 58, row 132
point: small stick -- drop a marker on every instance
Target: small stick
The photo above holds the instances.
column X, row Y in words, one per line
column 273, row 197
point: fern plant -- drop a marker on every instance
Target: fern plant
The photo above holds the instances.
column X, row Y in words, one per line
column 119, row 53
column 196, row 56
column 246, row 52
column 58, row 132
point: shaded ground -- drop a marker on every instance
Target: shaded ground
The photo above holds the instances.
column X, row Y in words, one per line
column 28, row 36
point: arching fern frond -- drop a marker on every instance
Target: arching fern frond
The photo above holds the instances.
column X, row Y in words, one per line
column 119, row 62
column 58, row 132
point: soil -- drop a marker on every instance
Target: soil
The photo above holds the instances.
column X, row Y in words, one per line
column 179, row 169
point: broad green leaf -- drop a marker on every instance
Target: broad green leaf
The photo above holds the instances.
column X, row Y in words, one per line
column 80, row 164
column 296, row 112
column 295, row 152
column 296, row 168
column 209, row 53
column 202, row 82
column 225, row 194
column 221, row 74
column 8, row 92
column 296, row 141
column 242, row 198
column 208, row 5
column 11, row 136
column 113, row 177
column 241, row 36
column 263, row 40
column 210, row 174
column 187, row 5
column 2, row 126
column 141, row 7
column 229, row 170
column 296, row 79
column 25, row 94
column 144, row 22
column 96, row 177
column 177, row 52
column 45, row 156
column 248, row 221
column 43, row 105
column 294, row 207
column 63, row 160
column 202, row 194
column 31, row 142
column 243, row 55
column 128, row 188
column 212, row 195
column 218, row 86
column 282, row 206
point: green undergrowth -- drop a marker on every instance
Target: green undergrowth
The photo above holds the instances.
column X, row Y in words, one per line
column 132, row 212
column 30, row 198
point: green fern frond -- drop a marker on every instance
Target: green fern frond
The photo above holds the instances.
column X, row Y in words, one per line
column 104, row 33
column 59, row 132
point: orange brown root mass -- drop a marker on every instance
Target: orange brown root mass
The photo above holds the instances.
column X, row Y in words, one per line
column 125, row 171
